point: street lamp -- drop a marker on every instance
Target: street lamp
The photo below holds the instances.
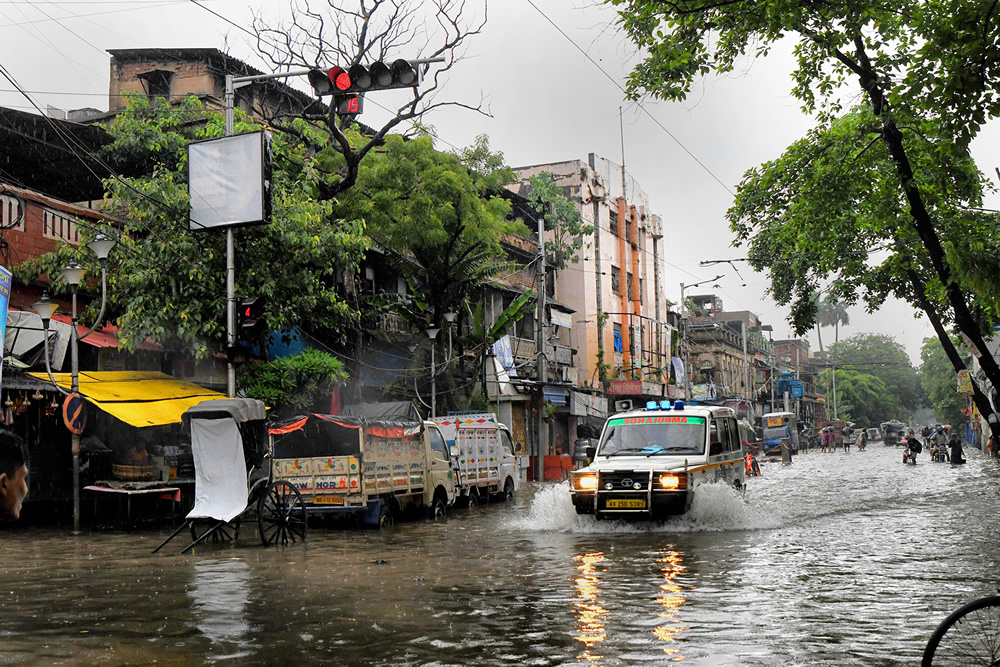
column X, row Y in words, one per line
column 770, row 337
column 73, row 274
column 684, row 337
column 449, row 317
column 432, row 333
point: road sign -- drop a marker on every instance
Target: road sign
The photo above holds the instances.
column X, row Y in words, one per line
column 73, row 415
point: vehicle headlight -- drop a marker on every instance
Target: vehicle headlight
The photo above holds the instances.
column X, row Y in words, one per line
column 585, row 482
column 671, row 482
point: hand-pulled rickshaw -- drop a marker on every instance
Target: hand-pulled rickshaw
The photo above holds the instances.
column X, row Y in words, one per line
column 233, row 477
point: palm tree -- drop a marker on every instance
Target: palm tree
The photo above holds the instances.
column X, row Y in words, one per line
column 830, row 312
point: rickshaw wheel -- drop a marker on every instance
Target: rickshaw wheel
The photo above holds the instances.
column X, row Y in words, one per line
column 227, row 532
column 281, row 514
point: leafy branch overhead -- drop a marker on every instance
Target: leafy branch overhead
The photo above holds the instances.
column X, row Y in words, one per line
column 561, row 217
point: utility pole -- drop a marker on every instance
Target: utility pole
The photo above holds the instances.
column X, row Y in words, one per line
column 543, row 427
column 685, row 326
column 746, row 366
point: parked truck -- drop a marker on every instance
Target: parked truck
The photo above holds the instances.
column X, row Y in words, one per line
column 372, row 464
column 482, row 454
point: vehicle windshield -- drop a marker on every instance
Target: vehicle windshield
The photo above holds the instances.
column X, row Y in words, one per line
column 775, row 433
column 653, row 436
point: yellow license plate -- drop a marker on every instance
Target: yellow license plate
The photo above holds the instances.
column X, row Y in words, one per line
column 328, row 500
column 626, row 504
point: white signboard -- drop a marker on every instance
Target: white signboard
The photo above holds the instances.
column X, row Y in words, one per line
column 229, row 180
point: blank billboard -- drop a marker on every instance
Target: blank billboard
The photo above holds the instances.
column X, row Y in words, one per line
column 229, row 180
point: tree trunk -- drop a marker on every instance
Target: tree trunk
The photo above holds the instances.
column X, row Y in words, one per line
column 892, row 137
column 981, row 400
column 819, row 336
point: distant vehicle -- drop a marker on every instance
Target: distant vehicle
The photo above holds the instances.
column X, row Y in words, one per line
column 482, row 453
column 874, row 434
column 651, row 462
column 892, row 432
column 779, row 426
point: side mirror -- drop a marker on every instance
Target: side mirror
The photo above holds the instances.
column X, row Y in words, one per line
column 454, row 451
column 591, row 452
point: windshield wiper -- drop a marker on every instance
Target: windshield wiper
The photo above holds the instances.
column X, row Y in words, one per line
column 627, row 450
column 651, row 450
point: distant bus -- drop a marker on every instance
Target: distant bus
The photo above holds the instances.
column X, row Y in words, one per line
column 779, row 426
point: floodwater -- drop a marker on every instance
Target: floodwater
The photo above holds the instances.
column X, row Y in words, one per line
column 837, row 559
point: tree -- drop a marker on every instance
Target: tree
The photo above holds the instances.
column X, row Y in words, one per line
column 938, row 379
column 861, row 397
column 927, row 74
column 831, row 312
column 881, row 356
column 560, row 216
column 358, row 32
column 292, row 385
column 168, row 283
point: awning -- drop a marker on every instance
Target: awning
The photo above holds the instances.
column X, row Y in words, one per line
column 560, row 318
column 556, row 395
column 139, row 398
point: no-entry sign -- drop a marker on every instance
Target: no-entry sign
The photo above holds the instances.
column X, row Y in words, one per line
column 73, row 415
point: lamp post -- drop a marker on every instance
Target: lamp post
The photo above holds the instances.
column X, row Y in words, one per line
column 684, row 336
column 432, row 333
column 770, row 338
column 73, row 274
column 449, row 317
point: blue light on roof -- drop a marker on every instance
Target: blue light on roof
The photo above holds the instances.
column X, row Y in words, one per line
column 678, row 405
column 664, row 405
column 650, row 405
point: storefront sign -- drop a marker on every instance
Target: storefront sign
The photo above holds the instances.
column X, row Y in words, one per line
column 625, row 387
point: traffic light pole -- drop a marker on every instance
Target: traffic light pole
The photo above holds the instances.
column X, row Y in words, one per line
column 232, row 83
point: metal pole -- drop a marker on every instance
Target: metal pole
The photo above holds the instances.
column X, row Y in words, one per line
column 746, row 367
column 75, row 388
column 230, row 260
column 687, row 349
column 433, row 382
column 543, row 378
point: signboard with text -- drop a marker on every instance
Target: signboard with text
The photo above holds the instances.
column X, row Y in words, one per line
column 625, row 387
column 5, row 278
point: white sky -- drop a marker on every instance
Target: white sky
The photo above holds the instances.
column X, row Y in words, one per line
column 549, row 103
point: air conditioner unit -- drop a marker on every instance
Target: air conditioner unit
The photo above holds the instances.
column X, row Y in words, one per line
column 622, row 406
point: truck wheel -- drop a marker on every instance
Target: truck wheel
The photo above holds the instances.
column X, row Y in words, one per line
column 508, row 491
column 385, row 519
column 473, row 498
column 438, row 510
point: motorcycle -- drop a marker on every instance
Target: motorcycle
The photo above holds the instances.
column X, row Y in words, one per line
column 909, row 456
column 939, row 455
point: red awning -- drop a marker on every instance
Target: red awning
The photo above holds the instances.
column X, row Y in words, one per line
column 106, row 336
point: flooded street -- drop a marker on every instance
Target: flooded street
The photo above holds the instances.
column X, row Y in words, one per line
column 837, row 559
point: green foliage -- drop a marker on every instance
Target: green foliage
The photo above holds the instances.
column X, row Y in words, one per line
column 293, row 385
column 937, row 376
column 169, row 284
column 861, row 397
column 895, row 176
column 561, row 217
column 880, row 356
column 435, row 219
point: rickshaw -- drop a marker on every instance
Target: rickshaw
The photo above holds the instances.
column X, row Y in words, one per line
column 233, row 477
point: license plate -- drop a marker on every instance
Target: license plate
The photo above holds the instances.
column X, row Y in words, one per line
column 328, row 500
column 626, row 504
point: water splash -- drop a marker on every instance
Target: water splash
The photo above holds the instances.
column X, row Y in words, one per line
column 716, row 507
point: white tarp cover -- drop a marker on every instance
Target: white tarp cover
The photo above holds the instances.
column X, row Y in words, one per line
column 220, row 472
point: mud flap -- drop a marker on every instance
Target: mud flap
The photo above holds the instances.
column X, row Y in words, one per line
column 371, row 515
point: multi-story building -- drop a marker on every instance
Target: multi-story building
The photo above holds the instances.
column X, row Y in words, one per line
column 615, row 313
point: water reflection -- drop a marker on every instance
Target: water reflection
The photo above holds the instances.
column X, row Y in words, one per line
column 671, row 599
column 589, row 609
column 220, row 596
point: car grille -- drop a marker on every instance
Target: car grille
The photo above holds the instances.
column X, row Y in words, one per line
column 623, row 480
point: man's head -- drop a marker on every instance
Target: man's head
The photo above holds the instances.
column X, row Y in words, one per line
column 13, row 476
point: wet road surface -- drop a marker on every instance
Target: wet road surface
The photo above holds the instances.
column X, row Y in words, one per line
column 838, row 559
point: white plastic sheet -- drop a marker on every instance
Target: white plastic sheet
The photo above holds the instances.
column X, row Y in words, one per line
column 220, row 473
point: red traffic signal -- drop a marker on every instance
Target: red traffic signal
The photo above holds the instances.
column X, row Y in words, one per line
column 249, row 317
column 359, row 78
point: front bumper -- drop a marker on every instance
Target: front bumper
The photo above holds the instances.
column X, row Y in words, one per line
column 625, row 494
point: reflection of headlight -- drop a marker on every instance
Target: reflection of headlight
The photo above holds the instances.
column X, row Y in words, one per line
column 585, row 482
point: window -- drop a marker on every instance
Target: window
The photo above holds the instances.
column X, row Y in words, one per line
column 628, row 233
column 11, row 212
column 613, row 225
column 438, row 445
column 619, row 347
column 508, row 446
column 628, row 286
column 59, row 226
column 616, row 286
column 640, row 291
column 157, row 83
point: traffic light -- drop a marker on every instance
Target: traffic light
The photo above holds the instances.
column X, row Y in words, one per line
column 250, row 318
column 361, row 79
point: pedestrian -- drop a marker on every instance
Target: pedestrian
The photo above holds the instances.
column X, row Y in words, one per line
column 848, row 433
column 13, row 475
column 955, row 444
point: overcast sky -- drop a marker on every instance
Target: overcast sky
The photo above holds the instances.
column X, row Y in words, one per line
column 550, row 72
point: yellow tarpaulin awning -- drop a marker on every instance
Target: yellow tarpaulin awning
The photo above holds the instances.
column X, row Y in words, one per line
column 139, row 398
